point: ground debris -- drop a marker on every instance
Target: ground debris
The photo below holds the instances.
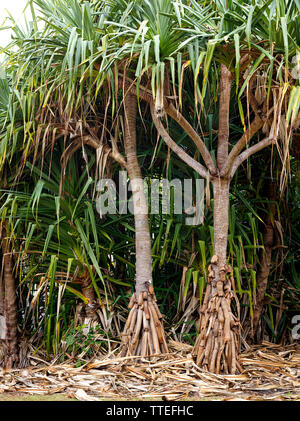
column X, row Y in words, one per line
column 270, row 372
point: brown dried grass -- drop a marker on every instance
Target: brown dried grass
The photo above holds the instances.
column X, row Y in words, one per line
column 270, row 372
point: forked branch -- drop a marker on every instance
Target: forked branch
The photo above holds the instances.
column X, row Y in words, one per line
column 200, row 169
column 146, row 95
column 255, row 126
column 250, row 151
column 178, row 117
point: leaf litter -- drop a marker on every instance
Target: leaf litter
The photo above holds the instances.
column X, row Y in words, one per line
column 270, row 372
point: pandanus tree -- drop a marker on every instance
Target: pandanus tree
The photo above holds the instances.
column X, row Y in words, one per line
column 143, row 333
column 241, row 45
column 67, row 96
column 8, row 296
column 269, row 104
column 236, row 52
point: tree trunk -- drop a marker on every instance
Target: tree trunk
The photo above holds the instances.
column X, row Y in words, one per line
column 221, row 224
column 2, row 306
column 10, row 303
column 217, row 345
column 143, row 334
column 140, row 206
column 265, row 261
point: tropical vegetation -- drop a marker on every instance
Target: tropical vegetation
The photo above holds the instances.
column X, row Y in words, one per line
column 160, row 89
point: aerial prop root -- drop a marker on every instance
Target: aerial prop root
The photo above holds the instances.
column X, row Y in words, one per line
column 217, row 346
column 143, row 332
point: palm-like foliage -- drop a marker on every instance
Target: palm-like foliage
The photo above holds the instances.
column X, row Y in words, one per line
column 162, row 39
column 63, row 251
column 71, row 71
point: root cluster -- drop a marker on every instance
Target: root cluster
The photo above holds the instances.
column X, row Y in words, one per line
column 144, row 333
column 217, row 346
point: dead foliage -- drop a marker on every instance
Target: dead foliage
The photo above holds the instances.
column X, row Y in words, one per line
column 270, row 372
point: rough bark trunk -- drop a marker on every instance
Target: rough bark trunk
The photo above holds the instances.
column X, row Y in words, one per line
column 143, row 333
column 265, row 260
column 1, row 289
column 10, row 303
column 217, row 345
column 221, row 224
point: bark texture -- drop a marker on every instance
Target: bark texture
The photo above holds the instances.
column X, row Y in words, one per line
column 143, row 333
column 140, row 206
column 2, row 306
column 10, row 303
column 223, row 135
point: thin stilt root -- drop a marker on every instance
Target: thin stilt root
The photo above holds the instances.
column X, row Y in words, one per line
column 143, row 333
column 217, row 346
